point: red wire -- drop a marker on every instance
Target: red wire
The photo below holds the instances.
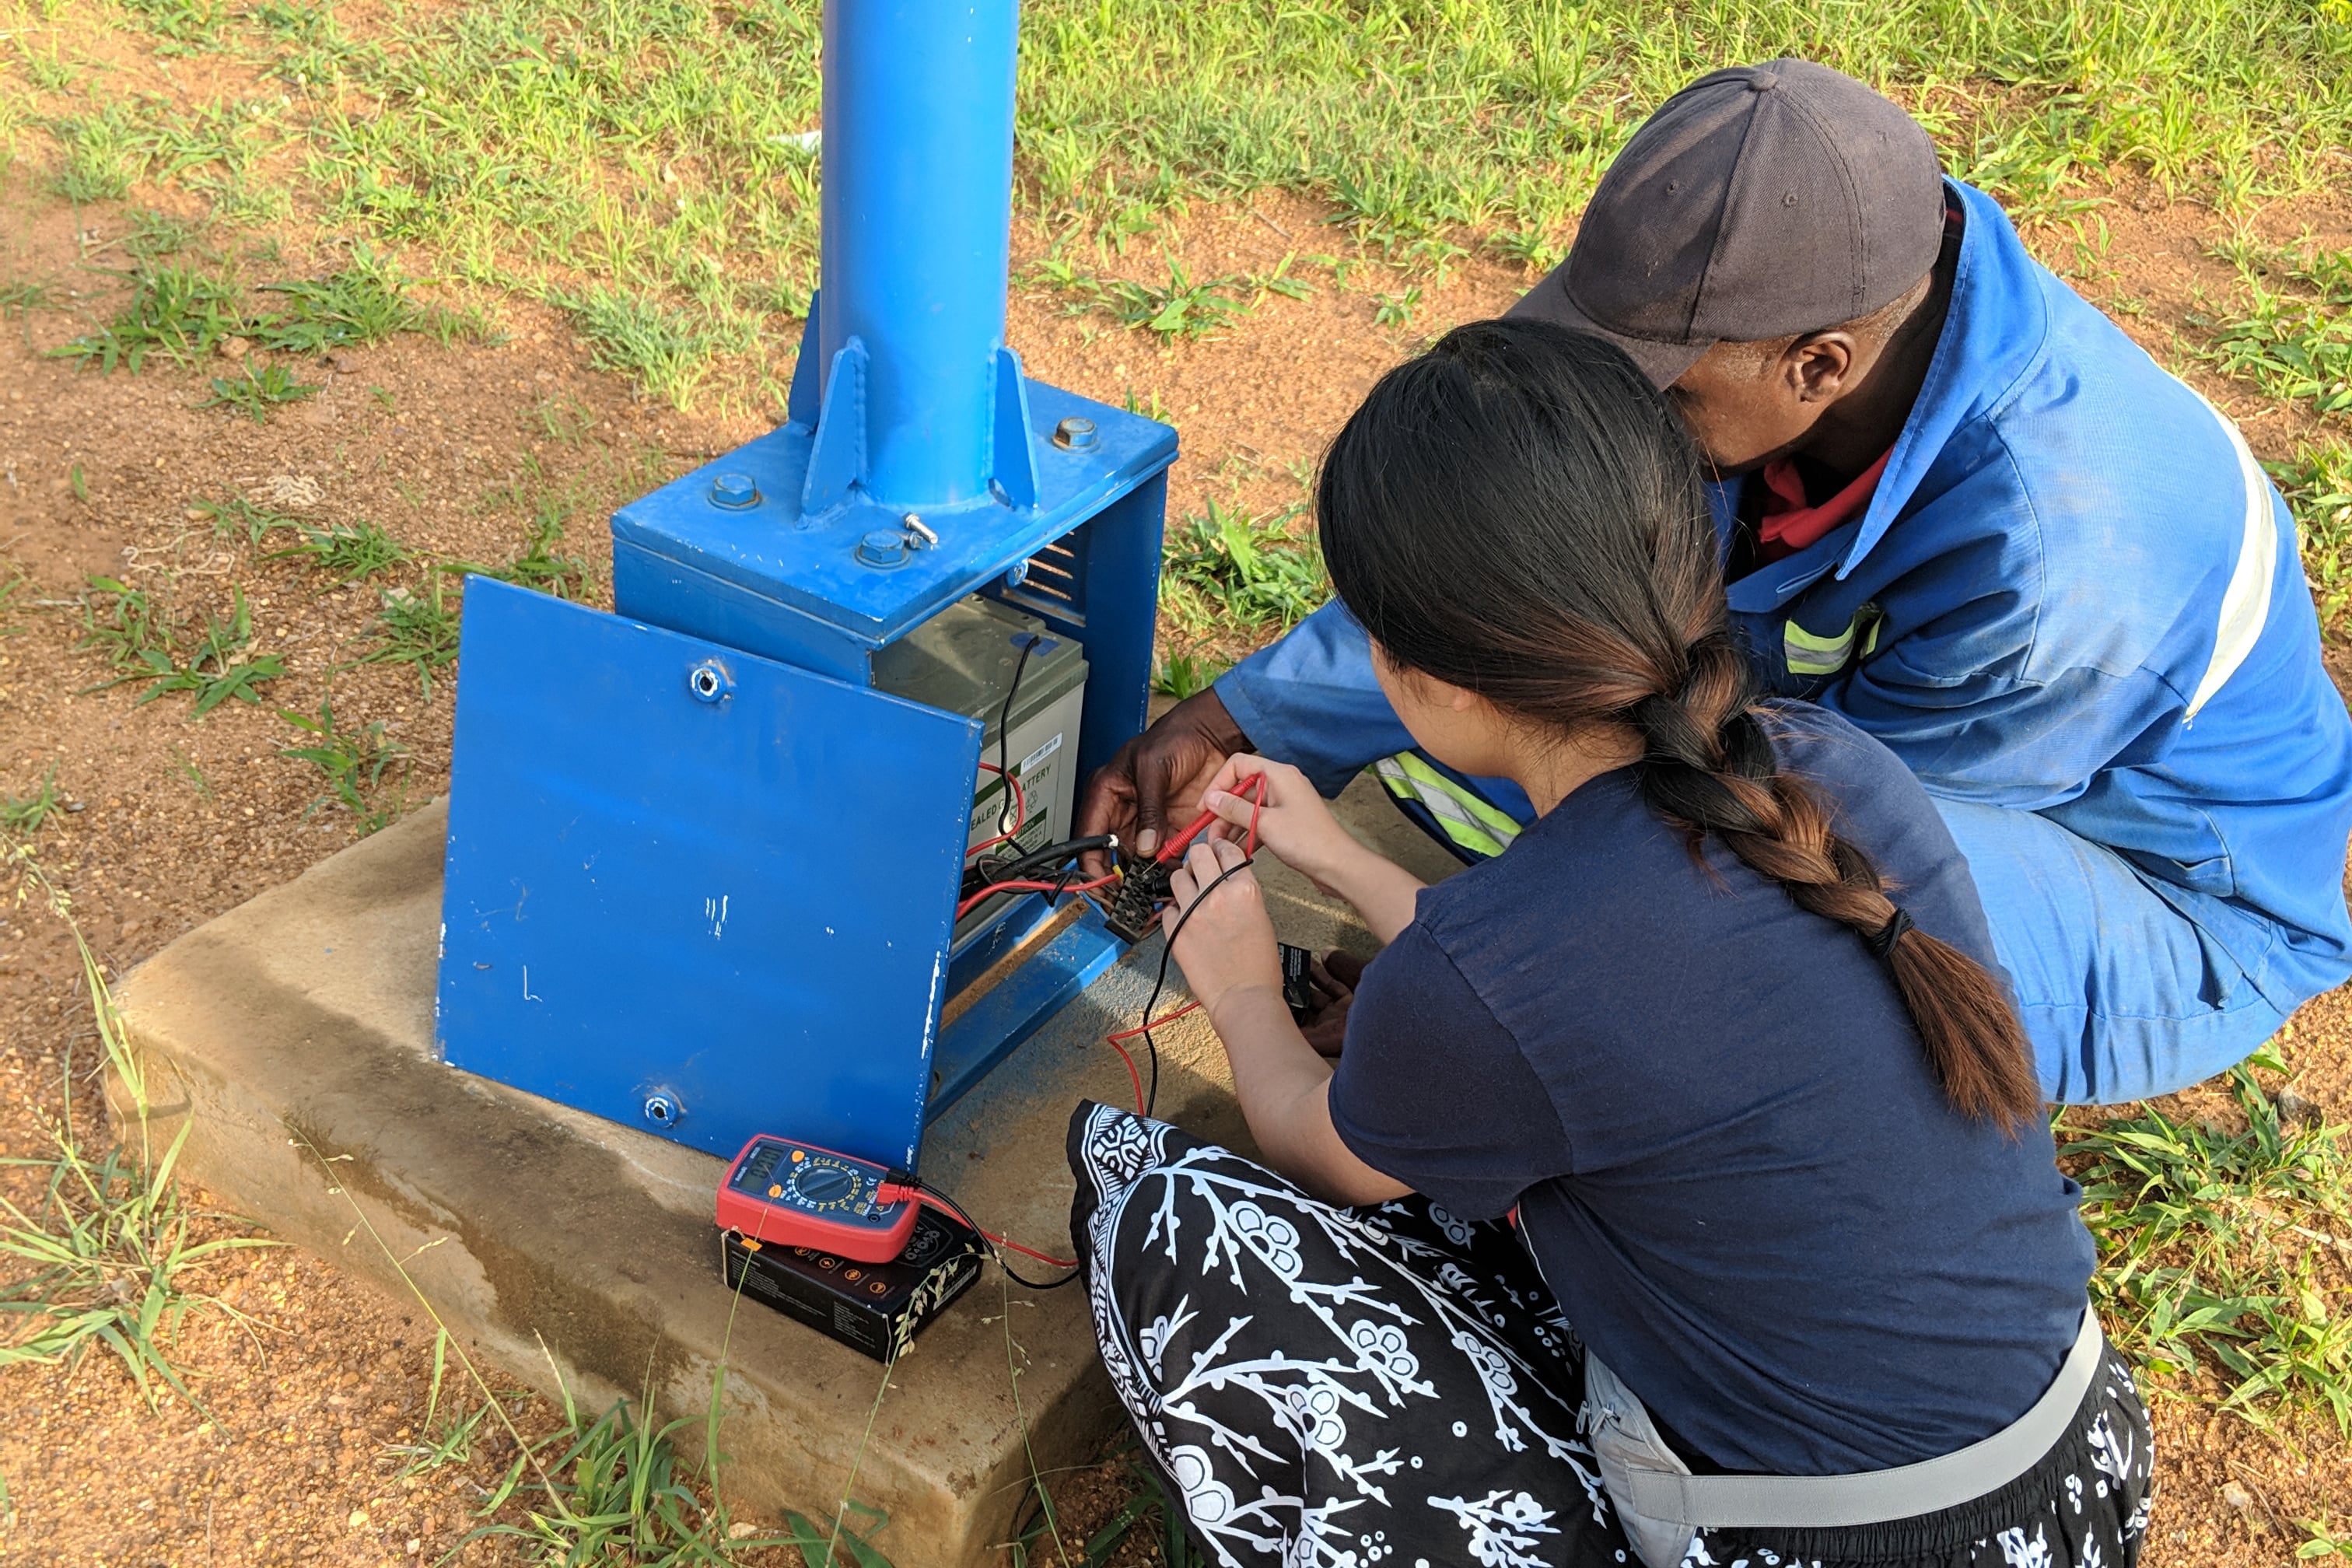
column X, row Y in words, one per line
column 1255, row 786
column 1160, row 1022
column 994, row 889
column 890, row 1192
column 1032, row 1252
column 1020, row 815
column 1133, row 1077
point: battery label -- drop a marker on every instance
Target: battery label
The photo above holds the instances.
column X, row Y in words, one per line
column 1036, row 773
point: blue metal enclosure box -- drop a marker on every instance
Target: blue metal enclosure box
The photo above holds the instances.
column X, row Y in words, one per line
column 701, row 876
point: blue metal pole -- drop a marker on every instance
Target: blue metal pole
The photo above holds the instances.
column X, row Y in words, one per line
column 917, row 206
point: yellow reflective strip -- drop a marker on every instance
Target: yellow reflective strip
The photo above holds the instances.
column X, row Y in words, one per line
column 1482, row 811
column 1409, row 778
column 1809, row 653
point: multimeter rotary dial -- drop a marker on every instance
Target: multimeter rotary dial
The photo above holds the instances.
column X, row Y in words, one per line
column 826, row 1186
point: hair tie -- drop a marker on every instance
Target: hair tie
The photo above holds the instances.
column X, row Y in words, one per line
column 1882, row 942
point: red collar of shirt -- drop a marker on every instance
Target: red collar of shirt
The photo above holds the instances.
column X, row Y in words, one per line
column 1788, row 525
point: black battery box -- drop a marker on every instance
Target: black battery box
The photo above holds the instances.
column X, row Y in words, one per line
column 875, row 1308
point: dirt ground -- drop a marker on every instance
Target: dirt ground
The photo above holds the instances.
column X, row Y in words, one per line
column 315, row 1389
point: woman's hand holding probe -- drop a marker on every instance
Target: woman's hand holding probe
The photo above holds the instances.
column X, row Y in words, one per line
column 1297, row 824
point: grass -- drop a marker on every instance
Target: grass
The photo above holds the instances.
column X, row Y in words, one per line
column 1180, row 308
column 354, row 764
column 666, row 350
column 258, row 391
column 177, row 313
column 140, row 640
column 1181, row 675
column 1225, row 573
column 548, row 509
column 102, row 1259
column 238, row 517
column 2217, row 1249
column 643, row 166
column 23, row 816
column 2318, row 488
column 610, row 1489
column 182, row 312
column 217, row 669
column 350, row 552
column 417, row 628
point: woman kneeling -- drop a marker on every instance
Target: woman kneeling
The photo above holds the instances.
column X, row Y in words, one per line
column 1790, row 1273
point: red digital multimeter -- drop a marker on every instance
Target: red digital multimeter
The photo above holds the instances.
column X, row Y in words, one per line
column 796, row 1194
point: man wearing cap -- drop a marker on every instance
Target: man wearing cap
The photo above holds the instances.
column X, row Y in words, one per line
column 1963, row 508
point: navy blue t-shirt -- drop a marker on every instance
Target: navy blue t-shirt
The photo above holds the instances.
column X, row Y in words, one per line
column 1729, row 1153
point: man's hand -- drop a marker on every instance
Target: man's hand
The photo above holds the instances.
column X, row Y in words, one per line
column 1157, row 778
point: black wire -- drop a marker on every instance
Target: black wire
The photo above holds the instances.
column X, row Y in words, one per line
column 1152, row 1047
column 1039, row 861
column 1004, row 735
column 961, row 1212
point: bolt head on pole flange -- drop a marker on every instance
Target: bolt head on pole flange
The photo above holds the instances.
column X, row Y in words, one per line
column 883, row 549
column 1075, row 434
column 735, row 492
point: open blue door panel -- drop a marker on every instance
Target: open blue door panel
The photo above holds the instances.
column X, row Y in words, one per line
column 694, row 890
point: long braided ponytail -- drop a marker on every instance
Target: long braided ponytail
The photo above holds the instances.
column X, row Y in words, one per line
column 1574, row 580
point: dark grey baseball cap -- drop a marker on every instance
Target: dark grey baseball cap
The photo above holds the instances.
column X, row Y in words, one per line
column 1757, row 202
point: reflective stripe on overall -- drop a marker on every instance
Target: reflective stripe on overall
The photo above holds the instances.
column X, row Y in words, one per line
column 1474, row 823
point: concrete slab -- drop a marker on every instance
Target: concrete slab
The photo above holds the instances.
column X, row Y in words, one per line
column 295, row 1036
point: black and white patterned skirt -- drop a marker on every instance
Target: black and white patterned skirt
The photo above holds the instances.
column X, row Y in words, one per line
column 1393, row 1387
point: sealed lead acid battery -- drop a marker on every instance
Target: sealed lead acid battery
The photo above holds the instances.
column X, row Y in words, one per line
column 967, row 660
column 875, row 1308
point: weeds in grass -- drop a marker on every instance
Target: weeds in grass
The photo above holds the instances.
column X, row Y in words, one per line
column 664, row 347
column 185, row 22
column 445, row 1437
column 2216, row 1248
column 175, row 312
column 2328, row 1539
column 1180, row 308
column 2319, row 488
column 1146, row 1508
column 125, row 625
column 354, row 762
column 1396, row 310
column 258, row 391
column 1225, row 570
column 216, row 671
column 1280, row 282
column 612, row 1491
column 366, row 302
column 138, row 640
column 593, row 1493
column 102, row 1258
column 104, row 155
column 416, row 627
column 2292, row 349
column 348, row 551
column 836, row 1547
column 183, row 314
column 192, row 775
column 155, row 234
column 2294, row 341
column 539, row 566
column 13, row 585
column 1183, row 675
column 238, row 517
column 24, row 815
